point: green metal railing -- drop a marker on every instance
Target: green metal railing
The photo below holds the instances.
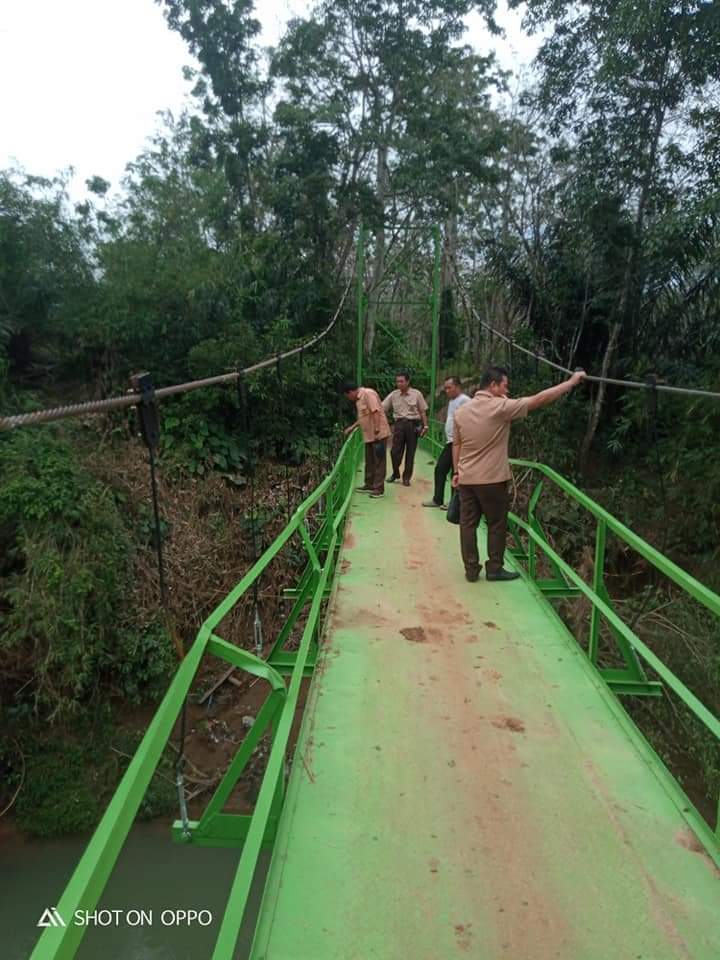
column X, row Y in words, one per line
column 631, row 679
column 324, row 511
column 329, row 501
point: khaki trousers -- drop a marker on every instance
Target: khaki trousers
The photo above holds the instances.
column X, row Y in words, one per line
column 375, row 467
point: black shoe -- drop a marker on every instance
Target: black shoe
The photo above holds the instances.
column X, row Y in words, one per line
column 392, row 479
column 472, row 578
column 502, row 575
column 406, row 483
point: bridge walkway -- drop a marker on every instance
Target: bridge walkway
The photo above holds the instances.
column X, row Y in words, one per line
column 465, row 784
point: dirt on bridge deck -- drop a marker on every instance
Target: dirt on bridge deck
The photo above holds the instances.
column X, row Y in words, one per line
column 468, row 785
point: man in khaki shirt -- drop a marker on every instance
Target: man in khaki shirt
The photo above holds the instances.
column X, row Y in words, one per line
column 375, row 431
column 481, row 468
column 409, row 412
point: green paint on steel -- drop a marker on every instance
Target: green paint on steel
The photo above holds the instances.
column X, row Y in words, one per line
column 435, row 303
column 360, row 268
column 606, row 610
column 598, row 583
column 679, row 576
column 90, row 877
column 469, row 784
column 407, row 620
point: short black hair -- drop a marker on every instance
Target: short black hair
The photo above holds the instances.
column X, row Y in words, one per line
column 493, row 375
column 456, row 380
column 347, row 385
column 403, row 373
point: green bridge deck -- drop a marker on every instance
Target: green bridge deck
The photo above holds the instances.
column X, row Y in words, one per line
column 465, row 784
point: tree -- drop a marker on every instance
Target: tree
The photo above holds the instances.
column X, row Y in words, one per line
column 620, row 80
column 388, row 80
column 222, row 35
column 46, row 280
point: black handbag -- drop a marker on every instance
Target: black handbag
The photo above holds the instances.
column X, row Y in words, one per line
column 453, row 510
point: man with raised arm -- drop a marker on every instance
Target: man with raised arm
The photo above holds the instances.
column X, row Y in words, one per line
column 375, row 431
column 409, row 411
column 481, row 468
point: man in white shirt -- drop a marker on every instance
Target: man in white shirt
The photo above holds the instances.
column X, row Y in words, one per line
column 454, row 393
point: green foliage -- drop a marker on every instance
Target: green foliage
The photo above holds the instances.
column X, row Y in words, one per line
column 65, row 584
column 590, row 206
column 198, row 443
column 147, row 662
column 60, row 793
column 684, row 635
column 67, row 782
column 46, row 282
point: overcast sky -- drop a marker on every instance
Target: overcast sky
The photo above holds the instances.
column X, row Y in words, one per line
column 82, row 80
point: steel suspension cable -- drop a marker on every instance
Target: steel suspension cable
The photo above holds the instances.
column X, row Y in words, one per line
column 539, row 358
column 130, row 399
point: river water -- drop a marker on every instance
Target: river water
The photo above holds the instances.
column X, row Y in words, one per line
column 152, row 874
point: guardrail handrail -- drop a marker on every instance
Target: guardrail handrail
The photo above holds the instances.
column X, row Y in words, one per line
column 682, row 578
column 97, row 862
column 632, row 678
column 298, row 516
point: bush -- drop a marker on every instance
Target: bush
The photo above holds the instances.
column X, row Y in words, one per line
column 65, row 581
column 60, row 794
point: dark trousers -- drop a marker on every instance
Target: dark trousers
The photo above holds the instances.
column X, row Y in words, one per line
column 405, row 438
column 375, row 467
column 492, row 501
column 442, row 469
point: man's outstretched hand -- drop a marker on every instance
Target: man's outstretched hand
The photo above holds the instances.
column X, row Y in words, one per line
column 577, row 377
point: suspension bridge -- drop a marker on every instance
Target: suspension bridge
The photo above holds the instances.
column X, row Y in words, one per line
column 466, row 781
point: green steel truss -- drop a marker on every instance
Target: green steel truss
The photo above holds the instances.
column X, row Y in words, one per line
column 252, row 832
column 284, row 670
column 328, row 505
column 631, row 679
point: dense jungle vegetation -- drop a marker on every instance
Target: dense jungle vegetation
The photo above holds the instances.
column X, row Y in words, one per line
column 582, row 212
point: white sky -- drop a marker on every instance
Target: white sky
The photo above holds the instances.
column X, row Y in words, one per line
column 82, row 80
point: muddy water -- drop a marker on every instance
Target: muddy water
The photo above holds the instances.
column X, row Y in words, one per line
column 153, row 874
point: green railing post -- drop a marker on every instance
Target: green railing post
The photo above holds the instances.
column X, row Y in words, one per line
column 435, row 302
column 533, row 522
column 360, row 268
column 598, row 584
column 330, row 504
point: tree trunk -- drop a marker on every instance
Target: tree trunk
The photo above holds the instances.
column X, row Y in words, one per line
column 634, row 270
column 597, row 406
column 448, row 297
